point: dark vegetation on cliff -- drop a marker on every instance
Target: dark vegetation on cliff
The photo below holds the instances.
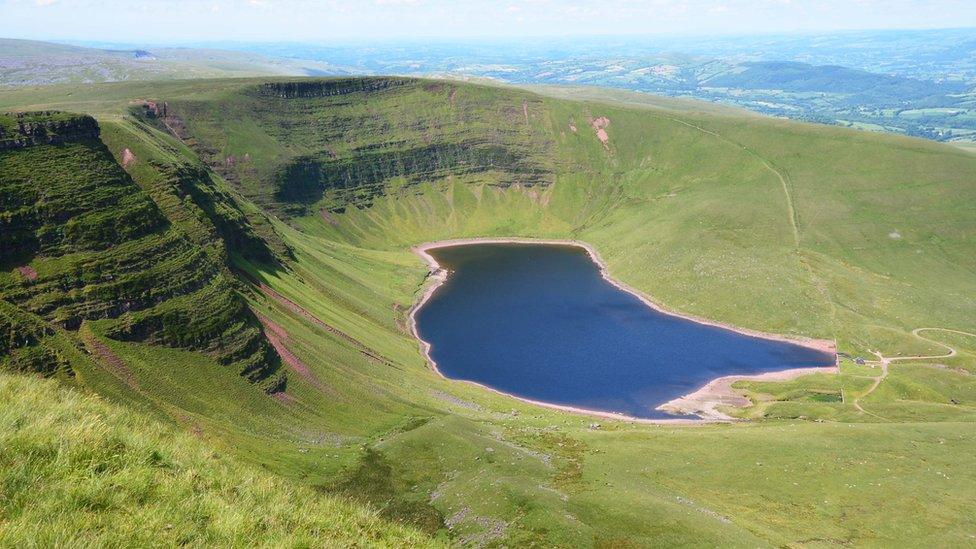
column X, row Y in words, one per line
column 299, row 147
column 246, row 226
column 81, row 241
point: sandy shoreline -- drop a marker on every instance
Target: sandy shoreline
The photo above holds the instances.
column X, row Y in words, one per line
column 719, row 392
column 703, row 402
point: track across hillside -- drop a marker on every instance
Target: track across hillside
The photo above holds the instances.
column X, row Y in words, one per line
column 884, row 361
column 786, row 183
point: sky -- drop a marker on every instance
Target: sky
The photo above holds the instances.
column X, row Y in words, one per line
column 176, row 21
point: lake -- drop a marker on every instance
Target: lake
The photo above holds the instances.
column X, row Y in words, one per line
column 540, row 322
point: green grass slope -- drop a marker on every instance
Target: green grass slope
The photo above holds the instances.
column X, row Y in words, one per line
column 349, row 150
column 32, row 62
column 78, row 471
column 766, row 224
column 82, row 242
column 769, row 225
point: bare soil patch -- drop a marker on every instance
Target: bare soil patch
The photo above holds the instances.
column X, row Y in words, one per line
column 719, row 392
column 328, row 217
column 27, row 272
column 600, row 125
column 114, row 363
column 299, row 310
column 127, row 158
column 277, row 336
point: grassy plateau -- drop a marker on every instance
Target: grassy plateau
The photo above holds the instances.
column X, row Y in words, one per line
column 231, row 259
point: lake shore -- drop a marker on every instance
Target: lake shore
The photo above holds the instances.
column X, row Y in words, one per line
column 702, row 402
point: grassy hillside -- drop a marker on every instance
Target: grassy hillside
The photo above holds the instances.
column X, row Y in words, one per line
column 348, row 152
column 83, row 243
column 31, row 63
column 77, row 471
column 766, row 224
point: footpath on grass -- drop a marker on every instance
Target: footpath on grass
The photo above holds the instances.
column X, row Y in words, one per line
column 884, row 362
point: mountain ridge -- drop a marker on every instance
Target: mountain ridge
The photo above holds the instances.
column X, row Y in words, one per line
column 689, row 206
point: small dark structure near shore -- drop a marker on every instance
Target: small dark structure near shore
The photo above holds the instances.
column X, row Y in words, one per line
column 540, row 322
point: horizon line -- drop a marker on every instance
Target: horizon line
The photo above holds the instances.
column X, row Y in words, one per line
column 482, row 39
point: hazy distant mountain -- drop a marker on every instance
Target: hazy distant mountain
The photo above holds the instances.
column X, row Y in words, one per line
column 920, row 83
column 29, row 62
column 802, row 77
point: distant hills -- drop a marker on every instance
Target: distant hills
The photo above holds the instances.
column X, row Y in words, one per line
column 790, row 76
column 231, row 257
column 918, row 83
column 30, row 62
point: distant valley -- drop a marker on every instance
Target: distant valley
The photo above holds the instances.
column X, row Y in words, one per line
column 916, row 83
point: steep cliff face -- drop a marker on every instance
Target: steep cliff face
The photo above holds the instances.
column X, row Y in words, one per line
column 298, row 147
column 326, row 88
column 244, row 231
column 25, row 343
column 80, row 241
column 35, row 128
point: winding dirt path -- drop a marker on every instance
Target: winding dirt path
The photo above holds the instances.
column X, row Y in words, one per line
column 917, row 333
column 877, row 381
column 786, row 184
column 885, row 362
column 702, row 402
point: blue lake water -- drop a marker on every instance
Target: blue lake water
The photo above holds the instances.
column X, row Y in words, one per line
column 540, row 322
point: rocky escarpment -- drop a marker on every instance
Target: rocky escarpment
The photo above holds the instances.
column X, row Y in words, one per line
column 24, row 343
column 217, row 214
column 361, row 176
column 188, row 185
column 326, row 88
column 80, row 241
column 329, row 144
column 51, row 128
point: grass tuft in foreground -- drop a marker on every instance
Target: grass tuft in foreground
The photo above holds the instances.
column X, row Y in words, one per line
column 77, row 471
